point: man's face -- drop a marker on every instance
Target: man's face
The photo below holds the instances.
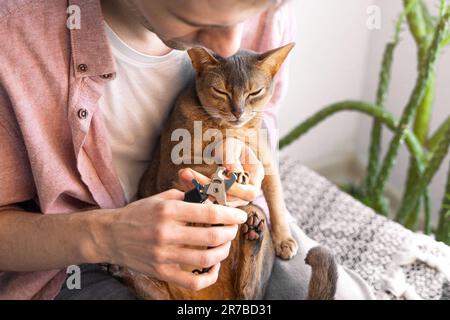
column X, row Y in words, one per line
column 214, row 24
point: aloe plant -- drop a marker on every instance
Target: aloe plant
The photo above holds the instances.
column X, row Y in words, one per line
column 443, row 231
column 427, row 151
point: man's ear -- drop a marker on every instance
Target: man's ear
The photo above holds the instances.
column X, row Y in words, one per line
column 201, row 58
column 272, row 60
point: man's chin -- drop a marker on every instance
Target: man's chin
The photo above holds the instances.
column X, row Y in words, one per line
column 176, row 45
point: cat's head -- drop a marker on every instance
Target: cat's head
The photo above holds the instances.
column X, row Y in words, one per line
column 236, row 89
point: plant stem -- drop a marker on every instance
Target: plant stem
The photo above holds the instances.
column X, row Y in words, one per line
column 423, row 115
column 430, row 21
column 419, row 91
column 418, row 25
column 421, row 25
column 382, row 93
column 438, row 135
column 428, row 210
column 413, row 218
column 419, row 188
column 414, row 146
column 446, row 41
column 443, row 230
column 421, row 130
column 413, row 175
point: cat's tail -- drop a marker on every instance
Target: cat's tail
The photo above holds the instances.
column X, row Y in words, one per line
column 324, row 274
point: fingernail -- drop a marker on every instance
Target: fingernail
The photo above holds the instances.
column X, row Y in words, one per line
column 186, row 174
column 241, row 215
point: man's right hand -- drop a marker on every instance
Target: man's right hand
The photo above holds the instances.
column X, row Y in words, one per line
column 151, row 236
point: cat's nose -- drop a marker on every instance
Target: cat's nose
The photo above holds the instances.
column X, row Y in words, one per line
column 237, row 112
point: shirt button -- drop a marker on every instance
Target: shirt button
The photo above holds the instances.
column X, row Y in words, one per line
column 82, row 67
column 82, row 113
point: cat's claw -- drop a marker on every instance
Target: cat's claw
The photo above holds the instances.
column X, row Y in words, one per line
column 253, row 228
column 286, row 249
column 242, row 177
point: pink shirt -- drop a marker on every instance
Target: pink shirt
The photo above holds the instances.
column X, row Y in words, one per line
column 52, row 138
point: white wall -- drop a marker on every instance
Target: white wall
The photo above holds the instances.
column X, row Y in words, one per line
column 337, row 58
column 328, row 65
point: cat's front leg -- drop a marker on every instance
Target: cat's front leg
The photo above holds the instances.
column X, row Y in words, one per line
column 284, row 243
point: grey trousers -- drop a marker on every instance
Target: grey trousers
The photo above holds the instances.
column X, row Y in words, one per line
column 289, row 280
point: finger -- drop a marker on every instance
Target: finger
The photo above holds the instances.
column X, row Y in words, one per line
column 187, row 175
column 247, row 192
column 234, row 167
column 172, row 194
column 173, row 274
column 202, row 236
column 207, row 213
column 253, row 166
column 236, row 202
column 199, row 258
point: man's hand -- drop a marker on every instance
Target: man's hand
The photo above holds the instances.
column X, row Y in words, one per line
column 150, row 236
column 235, row 156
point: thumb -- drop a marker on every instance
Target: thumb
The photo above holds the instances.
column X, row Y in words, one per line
column 187, row 175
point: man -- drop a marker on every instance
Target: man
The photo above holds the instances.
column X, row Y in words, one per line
column 80, row 109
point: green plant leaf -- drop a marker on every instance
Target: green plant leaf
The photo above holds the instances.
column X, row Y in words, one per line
column 426, row 71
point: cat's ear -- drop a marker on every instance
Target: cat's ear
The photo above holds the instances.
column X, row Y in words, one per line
column 201, row 58
column 272, row 60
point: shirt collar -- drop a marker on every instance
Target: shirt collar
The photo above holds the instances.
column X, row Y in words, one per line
column 91, row 53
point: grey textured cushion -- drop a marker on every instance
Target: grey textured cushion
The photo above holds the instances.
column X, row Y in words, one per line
column 394, row 261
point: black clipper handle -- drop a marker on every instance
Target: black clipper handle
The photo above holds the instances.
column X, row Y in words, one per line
column 197, row 195
column 193, row 196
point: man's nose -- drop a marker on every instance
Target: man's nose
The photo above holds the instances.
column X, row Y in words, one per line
column 224, row 41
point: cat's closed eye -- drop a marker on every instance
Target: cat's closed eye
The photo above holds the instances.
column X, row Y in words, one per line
column 256, row 93
column 220, row 92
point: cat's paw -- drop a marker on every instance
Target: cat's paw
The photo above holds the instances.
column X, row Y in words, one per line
column 253, row 228
column 242, row 177
column 285, row 248
column 113, row 269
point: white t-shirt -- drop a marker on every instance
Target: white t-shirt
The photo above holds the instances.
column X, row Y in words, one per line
column 136, row 104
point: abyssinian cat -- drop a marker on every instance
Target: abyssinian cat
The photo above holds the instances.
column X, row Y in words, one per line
column 228, row 93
